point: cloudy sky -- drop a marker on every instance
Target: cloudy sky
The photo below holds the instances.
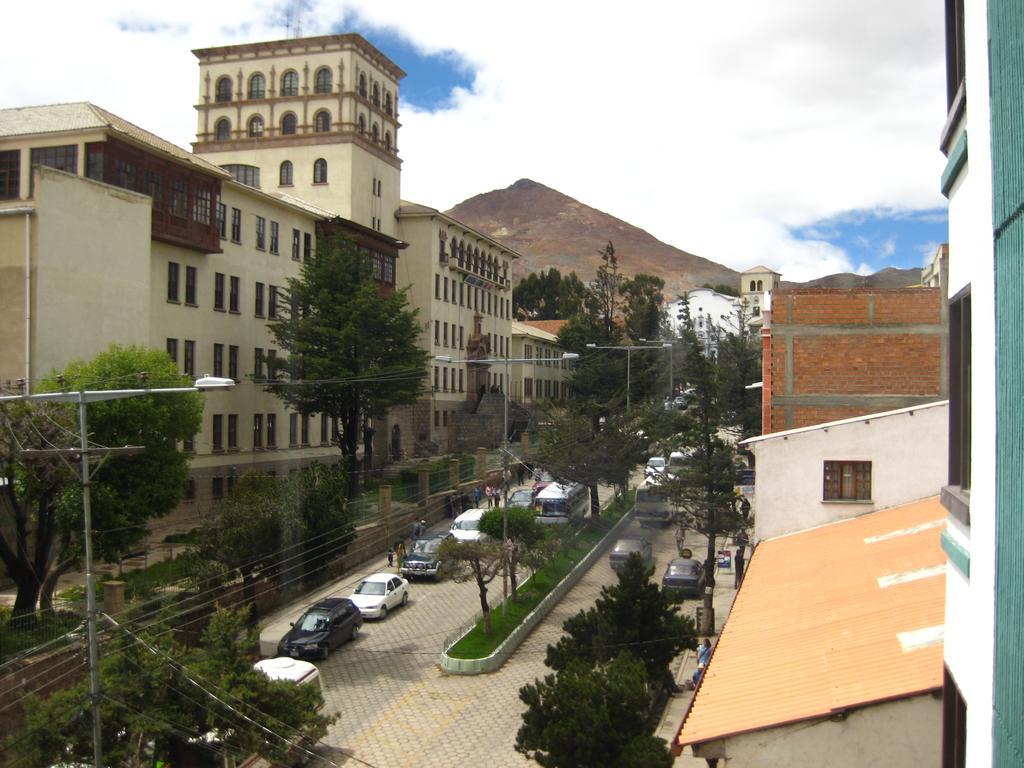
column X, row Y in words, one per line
column 801, row 134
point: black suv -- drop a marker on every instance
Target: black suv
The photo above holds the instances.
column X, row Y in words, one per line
column 324, row 625
column 422, row 560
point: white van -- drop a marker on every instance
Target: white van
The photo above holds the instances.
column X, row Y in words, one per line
column 560, row 504
column 466, row 527
column 653, row 506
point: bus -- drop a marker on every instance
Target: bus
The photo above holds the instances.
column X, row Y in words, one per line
column 653, row 506
column 559, row 504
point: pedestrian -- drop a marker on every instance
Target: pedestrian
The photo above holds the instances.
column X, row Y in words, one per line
column 476, row 495
column 490, row 496
column 680, row 536
column 739, row 568
column 703, row 657
column 741, row 543
column 417, row 529
column 521, row 473
column 449, row 506
column 391, row 557
column 400, row 554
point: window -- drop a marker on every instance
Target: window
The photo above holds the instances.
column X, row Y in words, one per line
column 444, row 379
column 189, row 362
column 257, row 86
column 259, row 300
column 10, row 174
column 362, row 85
column 232, row 431
column 955, row 57
column 272, row 303
column 261, row 233
column 236, row 225
column 217, row 487
column 233, row 297
column 172, row 281
column 437, row 418
column 437, row 378
column 290, row 83
column 257, row 363
column 445, row 335
column 320, row 171
column 361, row 125
column 446, row 289
column 954, row 724
column 288, row 124
column 190, row 285
column 437, row 332
column 274, row 237
column 460, row 376
column 960, row 393
column 322, row 121
column 387, row 146
column 324, row 434
column 255, row 127
column 218, row 291
column 387, row 103
column 172, row 349
column 201, row 206
column 257, row 430
column 437, row 286
column 293, row 429
column 285, row 175
column 222, row 129
column 223, row 89
column 322, row 81
column 218, row 360
column 218, row 429
column 222, row 220
column 305, row 428
column 244, row 174
column 63, row 158
column 375, row 132
column 461, row 345
column 179, row 198
column 376, row 95
column 271, row 430
column 233, row 362
column 847, row 481
column 296, row 241
column 307, row 245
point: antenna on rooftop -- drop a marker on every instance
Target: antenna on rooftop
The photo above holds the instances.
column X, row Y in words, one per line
column 293, row 18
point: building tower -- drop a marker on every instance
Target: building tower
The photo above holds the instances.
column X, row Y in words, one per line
column 314, row 118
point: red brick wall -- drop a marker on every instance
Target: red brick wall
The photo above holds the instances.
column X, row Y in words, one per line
column 882, row 364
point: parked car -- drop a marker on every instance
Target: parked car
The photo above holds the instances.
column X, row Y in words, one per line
column 522, row 498
column 325, row 625
column 684, row 577
column 542, row 481
column 422, row 560
column 379, row 593
column 466, row 527
column 627, row 546
column 655, row 467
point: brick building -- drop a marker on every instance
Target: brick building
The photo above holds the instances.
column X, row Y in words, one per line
column 833, row 354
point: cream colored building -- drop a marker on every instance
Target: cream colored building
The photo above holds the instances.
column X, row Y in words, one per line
column 315, row 117
column 757, row 285
column 131, row 240
column 547, row 377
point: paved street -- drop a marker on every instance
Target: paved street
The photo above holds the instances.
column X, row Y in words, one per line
column 397, row 710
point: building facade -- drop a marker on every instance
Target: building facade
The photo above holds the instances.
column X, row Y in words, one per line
column 546, row 376
column 757, row 285
column 712, row 314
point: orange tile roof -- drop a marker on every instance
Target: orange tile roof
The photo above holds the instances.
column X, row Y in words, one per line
column 813, row 631
column 551, row 326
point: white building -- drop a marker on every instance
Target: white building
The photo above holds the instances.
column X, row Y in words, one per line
column 815, row 475
column 756, row 287
column 713, row 315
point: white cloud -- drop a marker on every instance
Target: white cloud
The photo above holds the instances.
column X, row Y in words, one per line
column 717, row 127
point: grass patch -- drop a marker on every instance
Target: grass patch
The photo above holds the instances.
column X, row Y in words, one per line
column 144, row 581
column 476, row 645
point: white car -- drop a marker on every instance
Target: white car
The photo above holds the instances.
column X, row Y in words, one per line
column 466, row 527
column 379, row 593
column 655, row 467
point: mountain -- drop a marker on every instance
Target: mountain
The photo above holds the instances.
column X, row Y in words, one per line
column 886, row 278
column 550, row 229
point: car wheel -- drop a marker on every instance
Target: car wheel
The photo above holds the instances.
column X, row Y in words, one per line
column 405, row 598
column 355, row 632
column 325, row 652
column 383, row 611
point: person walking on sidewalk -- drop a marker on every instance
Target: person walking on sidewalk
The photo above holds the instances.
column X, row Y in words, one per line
column 703, row 657
column 417, row 529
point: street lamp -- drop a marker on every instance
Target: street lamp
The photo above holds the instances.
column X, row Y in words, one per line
column 629, row 348
column 84, row 397
column 506, row 452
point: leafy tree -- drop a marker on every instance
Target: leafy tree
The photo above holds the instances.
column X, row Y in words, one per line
column 643, row 313
column 723, row 288
column 479, row 561
column 152, row 703
column 547, row 295
column 40, row 503
column 605, row 290
column 524, row 534
column 595, row 716
column 633, row 614
column 739, row 364
column 353, row 353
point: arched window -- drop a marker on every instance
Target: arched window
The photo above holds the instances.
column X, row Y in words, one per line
column 362, row 86
column 223, row 129
column 290, row 83
column 376, row 95
column 320, row 171
column 362, row 125
column 760, row 285
column 223, row 89
column 322, row 121
column 387, row 102
column 322, row 84
column 376, row 133
column 387, row 140
column 257, row 86
column 255, row 127
column 288, row 124
column 285, row 177
column 753, row 285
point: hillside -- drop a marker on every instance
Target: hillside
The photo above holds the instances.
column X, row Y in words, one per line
column 886, row 278
column 550, row 229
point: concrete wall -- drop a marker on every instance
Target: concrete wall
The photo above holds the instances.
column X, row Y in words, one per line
column 841, row 353
column 907, row 450
column 896, row 734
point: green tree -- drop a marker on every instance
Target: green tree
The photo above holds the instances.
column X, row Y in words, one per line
column 643, row 313
column 479, row 561
column 605, row 290
column 547, row 295
column 522, row 532
column 739, row 365
column 154, row 701
column 353, row 351
column 40, row 503
column 594, row 716
column 632, row 614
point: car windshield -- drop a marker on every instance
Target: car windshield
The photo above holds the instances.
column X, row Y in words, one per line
column 426, row 546
column 657, row 463
column 315, row 621
column 683, row 569
column 521, row 496
column 466, row 525
column 370, row 588
column 628, row 545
